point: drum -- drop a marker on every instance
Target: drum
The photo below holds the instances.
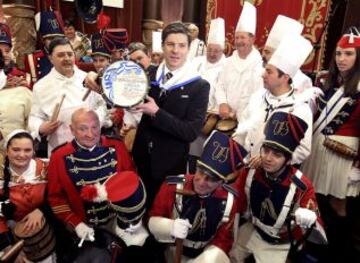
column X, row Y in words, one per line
column 210, row 123
column 38, row 244
column 227, row 126
column 125, row 84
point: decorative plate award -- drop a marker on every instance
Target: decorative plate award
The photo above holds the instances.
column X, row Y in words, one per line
column 125, row 84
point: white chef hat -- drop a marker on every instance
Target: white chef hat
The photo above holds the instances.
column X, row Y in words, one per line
column 156, row 42
column 217, row 32
column 283, row 25
column 247, row 19
column 291, row 54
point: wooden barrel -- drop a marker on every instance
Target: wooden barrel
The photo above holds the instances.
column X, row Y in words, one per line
column 39, row 243
column 19, row 15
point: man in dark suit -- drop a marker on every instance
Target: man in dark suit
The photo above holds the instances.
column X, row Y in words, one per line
column 173, row 113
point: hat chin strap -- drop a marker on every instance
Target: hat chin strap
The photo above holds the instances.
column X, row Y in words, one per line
column 274, row 176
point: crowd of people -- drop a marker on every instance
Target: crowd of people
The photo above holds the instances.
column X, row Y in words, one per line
column 227, row 159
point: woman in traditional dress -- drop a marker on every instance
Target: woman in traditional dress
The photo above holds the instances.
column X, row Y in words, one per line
column 22, row 193
column 334, row 164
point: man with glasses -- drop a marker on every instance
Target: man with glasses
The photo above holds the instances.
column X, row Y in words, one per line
column 173, row 113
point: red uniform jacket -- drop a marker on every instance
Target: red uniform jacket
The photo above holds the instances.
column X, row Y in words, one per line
column 63, row 197
column 164, row 204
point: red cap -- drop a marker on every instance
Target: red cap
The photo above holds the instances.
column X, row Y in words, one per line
column 116, row 188
column 350, row 40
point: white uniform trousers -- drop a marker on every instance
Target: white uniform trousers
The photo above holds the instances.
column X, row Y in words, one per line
column 250, row 242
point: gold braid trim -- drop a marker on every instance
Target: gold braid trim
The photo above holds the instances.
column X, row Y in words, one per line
column 102, row 220
column 72, row 158
column 125, row 220
column 77, row 169
column 60, row 209
column 83, row 182
column 95, row 210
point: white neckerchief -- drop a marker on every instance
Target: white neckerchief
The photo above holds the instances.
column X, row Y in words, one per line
column 29, row 175
column 216, row 64
column 181, row 75
column 85, row 148
column 241, row 65
column 275, row 100
column 3, row 79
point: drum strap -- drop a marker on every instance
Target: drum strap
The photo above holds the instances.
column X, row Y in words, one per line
column 30, row 58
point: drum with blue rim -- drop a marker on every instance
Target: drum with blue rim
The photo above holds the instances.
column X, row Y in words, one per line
column 125, row 84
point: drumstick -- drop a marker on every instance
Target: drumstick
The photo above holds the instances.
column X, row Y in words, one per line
column 57, row 108
column 91, row 238
column 86, row 95
column 13, row 251
column 178, row 249
column 82, row 241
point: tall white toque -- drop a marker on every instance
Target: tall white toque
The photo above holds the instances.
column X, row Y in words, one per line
column 247, row 19
column 291, row 54
column 156, row 42
column 217, row 32
column 283, row 25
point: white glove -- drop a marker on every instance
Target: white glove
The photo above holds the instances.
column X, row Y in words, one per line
column 133, row 239
column 305, row 218
column 84, row 232
column 180, row 228
column 354, row 175
column 133, row 228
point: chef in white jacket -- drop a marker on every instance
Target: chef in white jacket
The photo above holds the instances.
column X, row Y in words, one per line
column 302, row 84
column 65, row 81
column 241, row 75
column 278, row 95
column 209, row 67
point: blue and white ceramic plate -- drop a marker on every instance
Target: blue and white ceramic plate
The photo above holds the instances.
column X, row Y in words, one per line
column 125, row 83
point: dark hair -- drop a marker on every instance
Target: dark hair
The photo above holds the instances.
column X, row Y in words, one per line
column 282, row 73
column 58, row 41
column 2, row 61
column 176, row 28
column 135, row 46
column 69, row 23
column 7, row 175
column 350, row 81
column 274, row 147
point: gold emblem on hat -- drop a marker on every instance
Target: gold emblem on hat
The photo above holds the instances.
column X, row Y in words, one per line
column 281, row 128
column 98, row 43
column 220, row 153
column 53, row 22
